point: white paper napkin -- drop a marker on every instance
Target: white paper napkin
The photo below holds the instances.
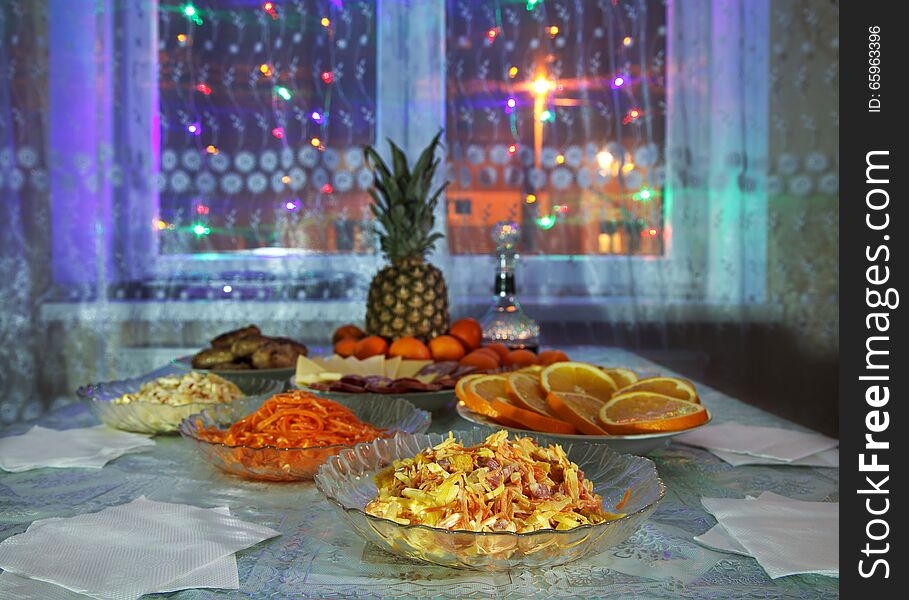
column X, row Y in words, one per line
column 784, row 445
column 787, row 537
column 87, row 447
column 125, row 551
column 827, row 458
column 221, row 573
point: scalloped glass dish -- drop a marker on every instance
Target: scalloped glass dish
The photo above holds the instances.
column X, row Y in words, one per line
column 431, row 401
column 270, row 463
column 238, row 376
column 150, row 417
column 347, row 482
column 641, row 443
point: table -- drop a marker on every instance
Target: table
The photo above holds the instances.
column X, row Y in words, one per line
column 318, row 556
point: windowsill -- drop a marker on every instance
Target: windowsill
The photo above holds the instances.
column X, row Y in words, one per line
column 568, row 309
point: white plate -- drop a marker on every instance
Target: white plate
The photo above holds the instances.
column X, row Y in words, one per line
column 641, row 443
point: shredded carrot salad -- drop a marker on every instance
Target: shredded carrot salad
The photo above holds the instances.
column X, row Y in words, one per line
column 295, row 419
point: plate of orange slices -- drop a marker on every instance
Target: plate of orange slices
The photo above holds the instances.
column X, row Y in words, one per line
column 580, row 401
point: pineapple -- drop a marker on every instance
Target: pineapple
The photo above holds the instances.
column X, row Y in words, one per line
column 408, row 297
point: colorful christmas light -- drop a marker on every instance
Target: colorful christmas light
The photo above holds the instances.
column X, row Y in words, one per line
column 546, row 222
column 283, row 93
column 513, row 72
column 194, row 128
column 199, row 229
column 512, row 148
column 202, row 87
column 278, row 132
column 327, row 189
column 316, row 116
column 327, row 77
column 618, row 82
column 547, row 115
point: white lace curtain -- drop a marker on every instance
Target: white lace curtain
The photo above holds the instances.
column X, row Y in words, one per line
column 80, row 156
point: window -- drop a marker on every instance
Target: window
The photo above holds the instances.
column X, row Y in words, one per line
column 264, row 110
column 555, row 118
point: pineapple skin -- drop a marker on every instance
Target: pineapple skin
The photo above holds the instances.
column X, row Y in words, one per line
column 408, row 298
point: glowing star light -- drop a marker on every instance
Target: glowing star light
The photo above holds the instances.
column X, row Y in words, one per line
column 546, row 222
column 541, row 86
column 190, row 12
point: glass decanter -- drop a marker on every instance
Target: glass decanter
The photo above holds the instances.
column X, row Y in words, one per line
column 506, row 322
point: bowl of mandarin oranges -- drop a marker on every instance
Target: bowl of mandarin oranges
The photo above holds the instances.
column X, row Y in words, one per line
column 425, row 371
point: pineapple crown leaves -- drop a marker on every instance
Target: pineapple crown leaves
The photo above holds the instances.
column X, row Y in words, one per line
column 403, row 201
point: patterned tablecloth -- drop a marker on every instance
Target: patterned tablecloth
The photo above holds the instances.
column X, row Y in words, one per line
column 318, row 556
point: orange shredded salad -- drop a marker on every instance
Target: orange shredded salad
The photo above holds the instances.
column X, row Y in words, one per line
column 295, row 419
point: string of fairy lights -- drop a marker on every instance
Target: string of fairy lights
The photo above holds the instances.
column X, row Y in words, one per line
column 531, row 91
column 269, row 75
column 536, row 94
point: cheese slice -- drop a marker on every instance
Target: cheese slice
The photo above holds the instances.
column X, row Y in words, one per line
column 426, row 378
column 391, row 366
column 409, row 368
column 374, row 365
column 318, row 377
column 354, row 366
column 306, row 366
column 336, row 364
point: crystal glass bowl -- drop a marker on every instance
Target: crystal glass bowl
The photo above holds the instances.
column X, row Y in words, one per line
column 151, row 417
column 270, row 463
column 347, row 481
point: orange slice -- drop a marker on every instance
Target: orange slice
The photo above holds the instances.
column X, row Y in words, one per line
column 476, row 391
column 525, row 392
column 577, row 377
column 580, row 410
column 621, row 377
column 673, row 387
column 647, row 412
column 528, row 419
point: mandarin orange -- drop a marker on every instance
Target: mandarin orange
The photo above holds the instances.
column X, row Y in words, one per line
column 520, row 358
column 548, row 357
column 481, row 360
column 347, row 331
column 499, row 348
column 372, row 345
column 446, row 347
column 345, row 347
column 410, row 348
column 469, row 332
